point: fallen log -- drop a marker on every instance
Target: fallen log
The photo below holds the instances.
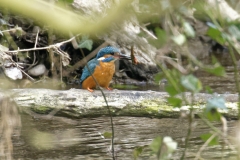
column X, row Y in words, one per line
column 78, row 103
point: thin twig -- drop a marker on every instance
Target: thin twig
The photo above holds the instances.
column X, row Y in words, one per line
column 61, row 70
column 108, row 108
column 147, row 31
column 26, row 74
column 17, row 65
column 8, row 30
column 189, row 127
column 34, row 54
column 176, row 65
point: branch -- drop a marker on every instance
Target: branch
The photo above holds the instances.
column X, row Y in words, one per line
column 42, row 48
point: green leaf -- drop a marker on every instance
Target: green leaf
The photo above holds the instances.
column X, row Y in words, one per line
column 208, row 89
column 188, row 29
column 234, row 31
column 212, row 115
column 215, row 103
column 86, row 43
column 161, row 38
column 218, row 70
column 156, row 144
column 179, row 39
column 107, row 135
column 170, row 143
column 137, row 151
column 216, row 35
column 158, row 77
column 175, row 102
column 171, row 90
column 161, row 35
column 206, row 136
column 165, row 146
column 191, row 83
column 213, row 32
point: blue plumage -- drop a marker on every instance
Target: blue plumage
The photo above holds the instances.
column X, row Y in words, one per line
column 107, row 50
column 94, row 62
column 91, row 66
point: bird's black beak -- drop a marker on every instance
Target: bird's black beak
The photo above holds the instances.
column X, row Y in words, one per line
column 123, row 56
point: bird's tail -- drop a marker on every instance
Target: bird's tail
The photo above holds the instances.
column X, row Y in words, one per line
column 80, row 84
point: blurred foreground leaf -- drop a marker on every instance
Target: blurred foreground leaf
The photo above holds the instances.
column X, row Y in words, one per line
column 188, row 29
column 234, row 31
column 179, row 39
column 86, row 43
column 156, row 144
column 137, row 151
column 218, row 70
column 64, row 19
column 206, row 136
column 216, row 103
column 175, row 102
column 191, row 83
column 158, row 77
column 216, row 35
column 163, row 147
column 171, row 90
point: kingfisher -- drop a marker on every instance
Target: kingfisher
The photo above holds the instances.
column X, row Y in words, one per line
column 101, row 68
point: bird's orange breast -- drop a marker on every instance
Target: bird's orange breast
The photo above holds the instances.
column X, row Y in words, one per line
column 103, row 73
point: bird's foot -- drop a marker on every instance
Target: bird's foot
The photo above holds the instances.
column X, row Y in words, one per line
column 108, row 88
column 90, row 90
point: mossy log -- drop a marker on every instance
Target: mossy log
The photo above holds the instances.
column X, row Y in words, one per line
column 78, row 103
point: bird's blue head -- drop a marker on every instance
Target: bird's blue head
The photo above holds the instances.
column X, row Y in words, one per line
column 107, row 50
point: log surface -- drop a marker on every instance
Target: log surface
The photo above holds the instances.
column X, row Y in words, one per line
column 81, row 103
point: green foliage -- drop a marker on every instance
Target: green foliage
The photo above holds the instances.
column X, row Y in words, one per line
column 161, row 38
column 215, row 103
column 86, row 43
column 107, row 134
column 179, row 39
column 216, row 68
column 175, row 102
column 216, row 34
column 158, row 77
column 161, row 35
column 125, row 86
column 172, row 91
column 188, row 29
column 208, row 89
column 137, row 151
column 191, row 83
column 212, row 115
column 156, row 144
column 163, row 147
column 234, row 32
column 213, row 142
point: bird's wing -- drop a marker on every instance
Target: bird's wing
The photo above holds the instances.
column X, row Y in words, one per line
column 91, row 66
